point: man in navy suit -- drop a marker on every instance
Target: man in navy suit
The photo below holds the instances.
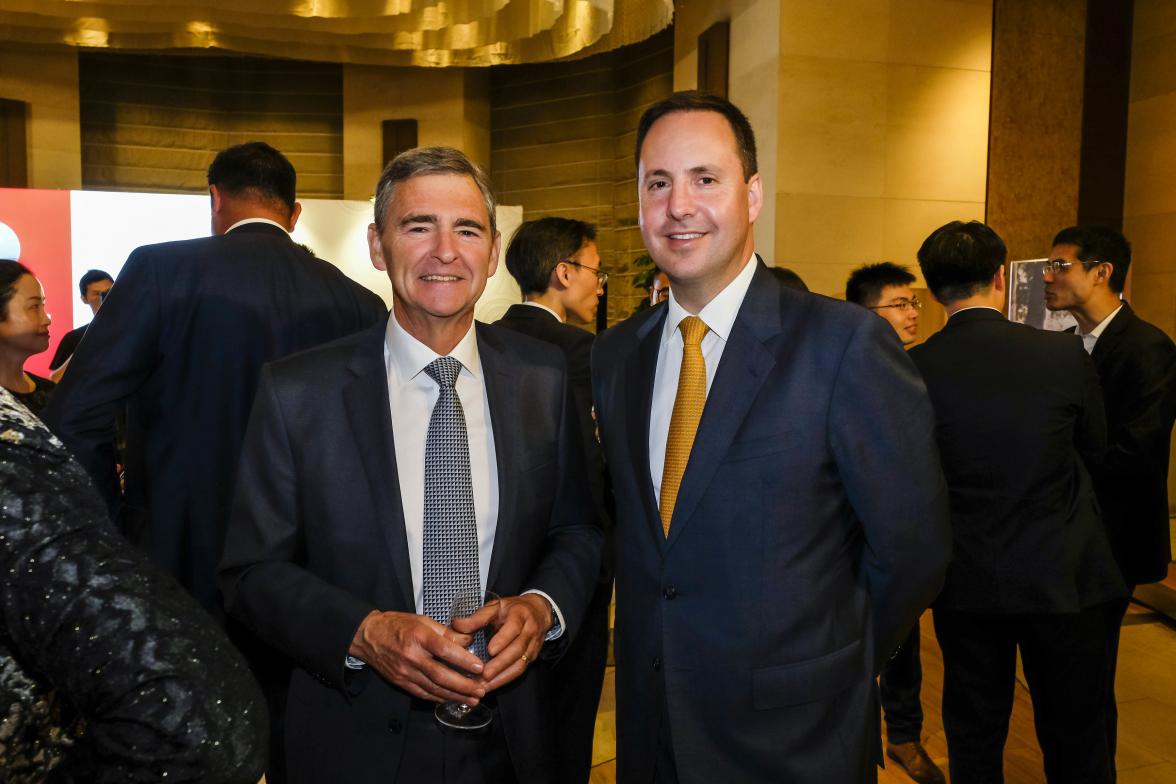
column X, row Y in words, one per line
column 760, row 585
column 329, row 555
column 1136, row 365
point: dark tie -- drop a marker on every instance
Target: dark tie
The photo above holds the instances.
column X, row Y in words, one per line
column 450, row 580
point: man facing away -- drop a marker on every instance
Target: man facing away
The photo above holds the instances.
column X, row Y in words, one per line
column 885, row 288
column 393, row 471
column 755, row 436
column 93, row 287
column 557, row 266
column 182, row 338
column 1017, row 411
column 1137, row 367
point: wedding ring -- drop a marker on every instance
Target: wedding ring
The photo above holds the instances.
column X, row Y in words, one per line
column 524, row 658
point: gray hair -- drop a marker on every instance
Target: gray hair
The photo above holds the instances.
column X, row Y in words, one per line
column 421, row 161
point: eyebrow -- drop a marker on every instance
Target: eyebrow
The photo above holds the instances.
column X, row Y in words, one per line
column 420, row 218
column 469, row 223
column 703, row 169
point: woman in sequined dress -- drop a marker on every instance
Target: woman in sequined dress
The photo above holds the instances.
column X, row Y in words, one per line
column 24, row 331
column 108, row 670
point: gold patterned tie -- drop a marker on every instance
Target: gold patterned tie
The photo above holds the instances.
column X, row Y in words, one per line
column 688, row 406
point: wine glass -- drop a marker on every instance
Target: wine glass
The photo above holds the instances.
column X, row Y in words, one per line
column 458, row 715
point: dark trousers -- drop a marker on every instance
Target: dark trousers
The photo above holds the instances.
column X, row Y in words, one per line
column 437, row 755
column 899, row 686
column 576, row 682
column 1065, row 657
column 1114, row 612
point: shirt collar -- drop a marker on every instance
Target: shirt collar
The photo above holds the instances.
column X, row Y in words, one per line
column 975, row 307
column 544, row 307
column 718, row 314
column 405, row 356
column 255, row 220
column 1102, row 325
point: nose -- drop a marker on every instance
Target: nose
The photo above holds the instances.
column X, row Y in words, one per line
column 680, row 203
column 446, row 247
column 1047, row 275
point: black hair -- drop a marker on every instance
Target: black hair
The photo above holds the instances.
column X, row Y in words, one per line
column 1098, row 244
column 256, row 170
column 539, row 245
column 91, row 277
column 960, row 259
column 10, row 272
column 866, row 283
column 695, row 101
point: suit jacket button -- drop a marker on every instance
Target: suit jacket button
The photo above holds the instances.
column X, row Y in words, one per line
column 657, row 664
column 670, row 592
column 394, row 726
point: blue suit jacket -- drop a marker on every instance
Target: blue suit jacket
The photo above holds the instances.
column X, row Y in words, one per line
column 317, row 540
column 810, row 532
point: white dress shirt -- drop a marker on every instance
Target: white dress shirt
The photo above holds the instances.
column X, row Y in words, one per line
column 412, row 395
column 719, row 316
column 245, row 221
column 1091, row 337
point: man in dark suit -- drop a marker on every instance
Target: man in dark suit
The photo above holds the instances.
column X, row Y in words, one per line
column 1137, row 367
column 769, row 563
column 1017, row 410
column 557, row 266
column 885, row 288
column 393, row 471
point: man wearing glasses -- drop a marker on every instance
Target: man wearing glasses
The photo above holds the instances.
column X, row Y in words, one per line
column 1136, row 364
column 885, row 288
column 558, row 268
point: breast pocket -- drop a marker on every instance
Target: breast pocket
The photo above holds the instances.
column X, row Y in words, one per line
column 764, row 445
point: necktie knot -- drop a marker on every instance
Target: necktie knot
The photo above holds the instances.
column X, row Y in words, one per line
column 693, row 330
column 444, row 371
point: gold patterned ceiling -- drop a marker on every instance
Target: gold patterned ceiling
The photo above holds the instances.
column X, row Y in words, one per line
column 376, row 32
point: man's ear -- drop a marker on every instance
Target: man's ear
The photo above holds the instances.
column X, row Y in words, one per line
column 376, row 248
column 998, row 280
column 217, row 199
column 294, row 213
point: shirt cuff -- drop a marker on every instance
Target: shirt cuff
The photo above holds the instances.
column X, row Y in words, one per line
column 353, row 663
column 557, row 629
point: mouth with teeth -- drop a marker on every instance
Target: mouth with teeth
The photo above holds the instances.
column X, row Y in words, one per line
column 683, row 236
column 440, row 278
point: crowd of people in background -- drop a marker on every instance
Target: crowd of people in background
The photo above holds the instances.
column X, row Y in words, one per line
column 260, row 499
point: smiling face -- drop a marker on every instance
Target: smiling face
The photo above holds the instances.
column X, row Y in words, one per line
column 696, row 208
column 438, row 250
column 25, row 328
column 905, row 320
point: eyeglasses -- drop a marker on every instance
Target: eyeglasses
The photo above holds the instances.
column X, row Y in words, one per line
column 1055, row 266
column 905, row 304
column 601, row 275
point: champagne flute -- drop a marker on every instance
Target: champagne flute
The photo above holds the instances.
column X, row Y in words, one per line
column 459, row 715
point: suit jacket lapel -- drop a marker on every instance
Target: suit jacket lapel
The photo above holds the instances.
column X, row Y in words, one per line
column 502, row 378
column 640, row 367
column 1105, row 345
column 365, row 399
column 744, row 366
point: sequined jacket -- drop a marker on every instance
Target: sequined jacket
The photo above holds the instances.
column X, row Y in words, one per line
column 108, row 670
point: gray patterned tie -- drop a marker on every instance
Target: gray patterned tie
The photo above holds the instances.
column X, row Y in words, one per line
column 450, row 580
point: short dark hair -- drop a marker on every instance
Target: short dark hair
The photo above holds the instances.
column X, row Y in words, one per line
column 254, row 170
column 10, row 272
column 1097, row 244
column 91, row 277
column 539, row 245
column 421, row 161
column 788, row 278
column 960, row 259
column 866, row 283
column 695, row 101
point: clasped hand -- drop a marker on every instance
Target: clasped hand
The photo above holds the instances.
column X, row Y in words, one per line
column 427, row 659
